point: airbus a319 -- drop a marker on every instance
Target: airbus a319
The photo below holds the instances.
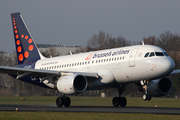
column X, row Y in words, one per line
column 146, row 65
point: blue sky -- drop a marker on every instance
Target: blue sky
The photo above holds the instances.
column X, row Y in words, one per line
column 73, row 22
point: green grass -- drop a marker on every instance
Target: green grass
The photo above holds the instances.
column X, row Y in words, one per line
column 88, row 101
column 82, row 116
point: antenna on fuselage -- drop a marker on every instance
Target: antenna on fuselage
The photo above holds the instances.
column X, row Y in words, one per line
column 70, row 52
column 142, row 42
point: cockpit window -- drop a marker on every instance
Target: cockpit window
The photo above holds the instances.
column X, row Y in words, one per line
column 165, row 53
column 146, row 55
column 159, row 54
column 151, row 54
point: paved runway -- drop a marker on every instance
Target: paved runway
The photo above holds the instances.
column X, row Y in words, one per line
column 107, row 109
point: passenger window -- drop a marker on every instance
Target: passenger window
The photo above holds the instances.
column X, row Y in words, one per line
column 104, row 60
column 109, row 59
column 146, row 55
column 152, row 54
column 115, row 59
column 118, row 58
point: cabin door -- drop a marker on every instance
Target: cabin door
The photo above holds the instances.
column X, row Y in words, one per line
column 132, row 57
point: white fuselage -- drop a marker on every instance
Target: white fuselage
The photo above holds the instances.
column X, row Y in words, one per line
column 118, row 65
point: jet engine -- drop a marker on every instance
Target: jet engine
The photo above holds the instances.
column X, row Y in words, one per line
column 159, row 87
column 72, row 84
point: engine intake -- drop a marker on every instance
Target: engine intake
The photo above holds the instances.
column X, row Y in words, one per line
column 160, row 87
column 72, row 84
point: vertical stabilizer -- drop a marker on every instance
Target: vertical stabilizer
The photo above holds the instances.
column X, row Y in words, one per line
column 26, row 48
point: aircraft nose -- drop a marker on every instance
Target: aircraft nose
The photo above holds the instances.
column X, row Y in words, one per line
column 168, row 65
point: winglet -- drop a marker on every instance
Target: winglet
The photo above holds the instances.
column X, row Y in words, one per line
column 26, row 48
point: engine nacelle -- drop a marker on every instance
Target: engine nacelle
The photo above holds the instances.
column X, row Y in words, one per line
column 72, row 84
column 159, row 87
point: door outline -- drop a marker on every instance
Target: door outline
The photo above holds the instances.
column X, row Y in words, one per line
column 132, row 57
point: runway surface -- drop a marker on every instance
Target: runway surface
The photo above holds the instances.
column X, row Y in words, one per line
column 106, row 109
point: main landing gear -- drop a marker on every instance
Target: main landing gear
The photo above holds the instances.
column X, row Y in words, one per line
column 119, row 101
column 60, row 101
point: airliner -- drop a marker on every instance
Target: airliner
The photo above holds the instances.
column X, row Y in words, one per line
column 145, row 65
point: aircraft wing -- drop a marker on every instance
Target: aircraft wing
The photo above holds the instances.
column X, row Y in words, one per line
column 21, row 72
column 175, row 72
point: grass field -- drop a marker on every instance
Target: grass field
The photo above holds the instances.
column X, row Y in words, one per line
column 88, row 101
column 85, row 101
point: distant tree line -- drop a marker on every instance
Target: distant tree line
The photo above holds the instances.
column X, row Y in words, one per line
column 167, row 40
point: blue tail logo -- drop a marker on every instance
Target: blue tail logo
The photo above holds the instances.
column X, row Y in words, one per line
column 26, row 48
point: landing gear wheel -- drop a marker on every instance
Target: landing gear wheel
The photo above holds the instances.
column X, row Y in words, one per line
column 146, row 97
column 149, row 97
column 123, row 101
column 59, row 101
column 116, row 102
column 67, row 101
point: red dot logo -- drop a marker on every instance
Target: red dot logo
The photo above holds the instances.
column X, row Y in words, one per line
column 19, row 49
column 26, row 54
column 14, row 24
column 20, row 57
column 31, row 47
column 30, row 41
column 22, row 36
column 17, row 36
column 18, row 42
column 15, row 31
column 26, row 37
column 15, row 27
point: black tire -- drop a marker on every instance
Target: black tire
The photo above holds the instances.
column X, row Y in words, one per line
column 149, row 97
column 59, row 101
column 67, row 101
column 123, row 102
column 116, row 102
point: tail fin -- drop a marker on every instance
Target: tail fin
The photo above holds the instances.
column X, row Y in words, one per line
column 26, row 48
